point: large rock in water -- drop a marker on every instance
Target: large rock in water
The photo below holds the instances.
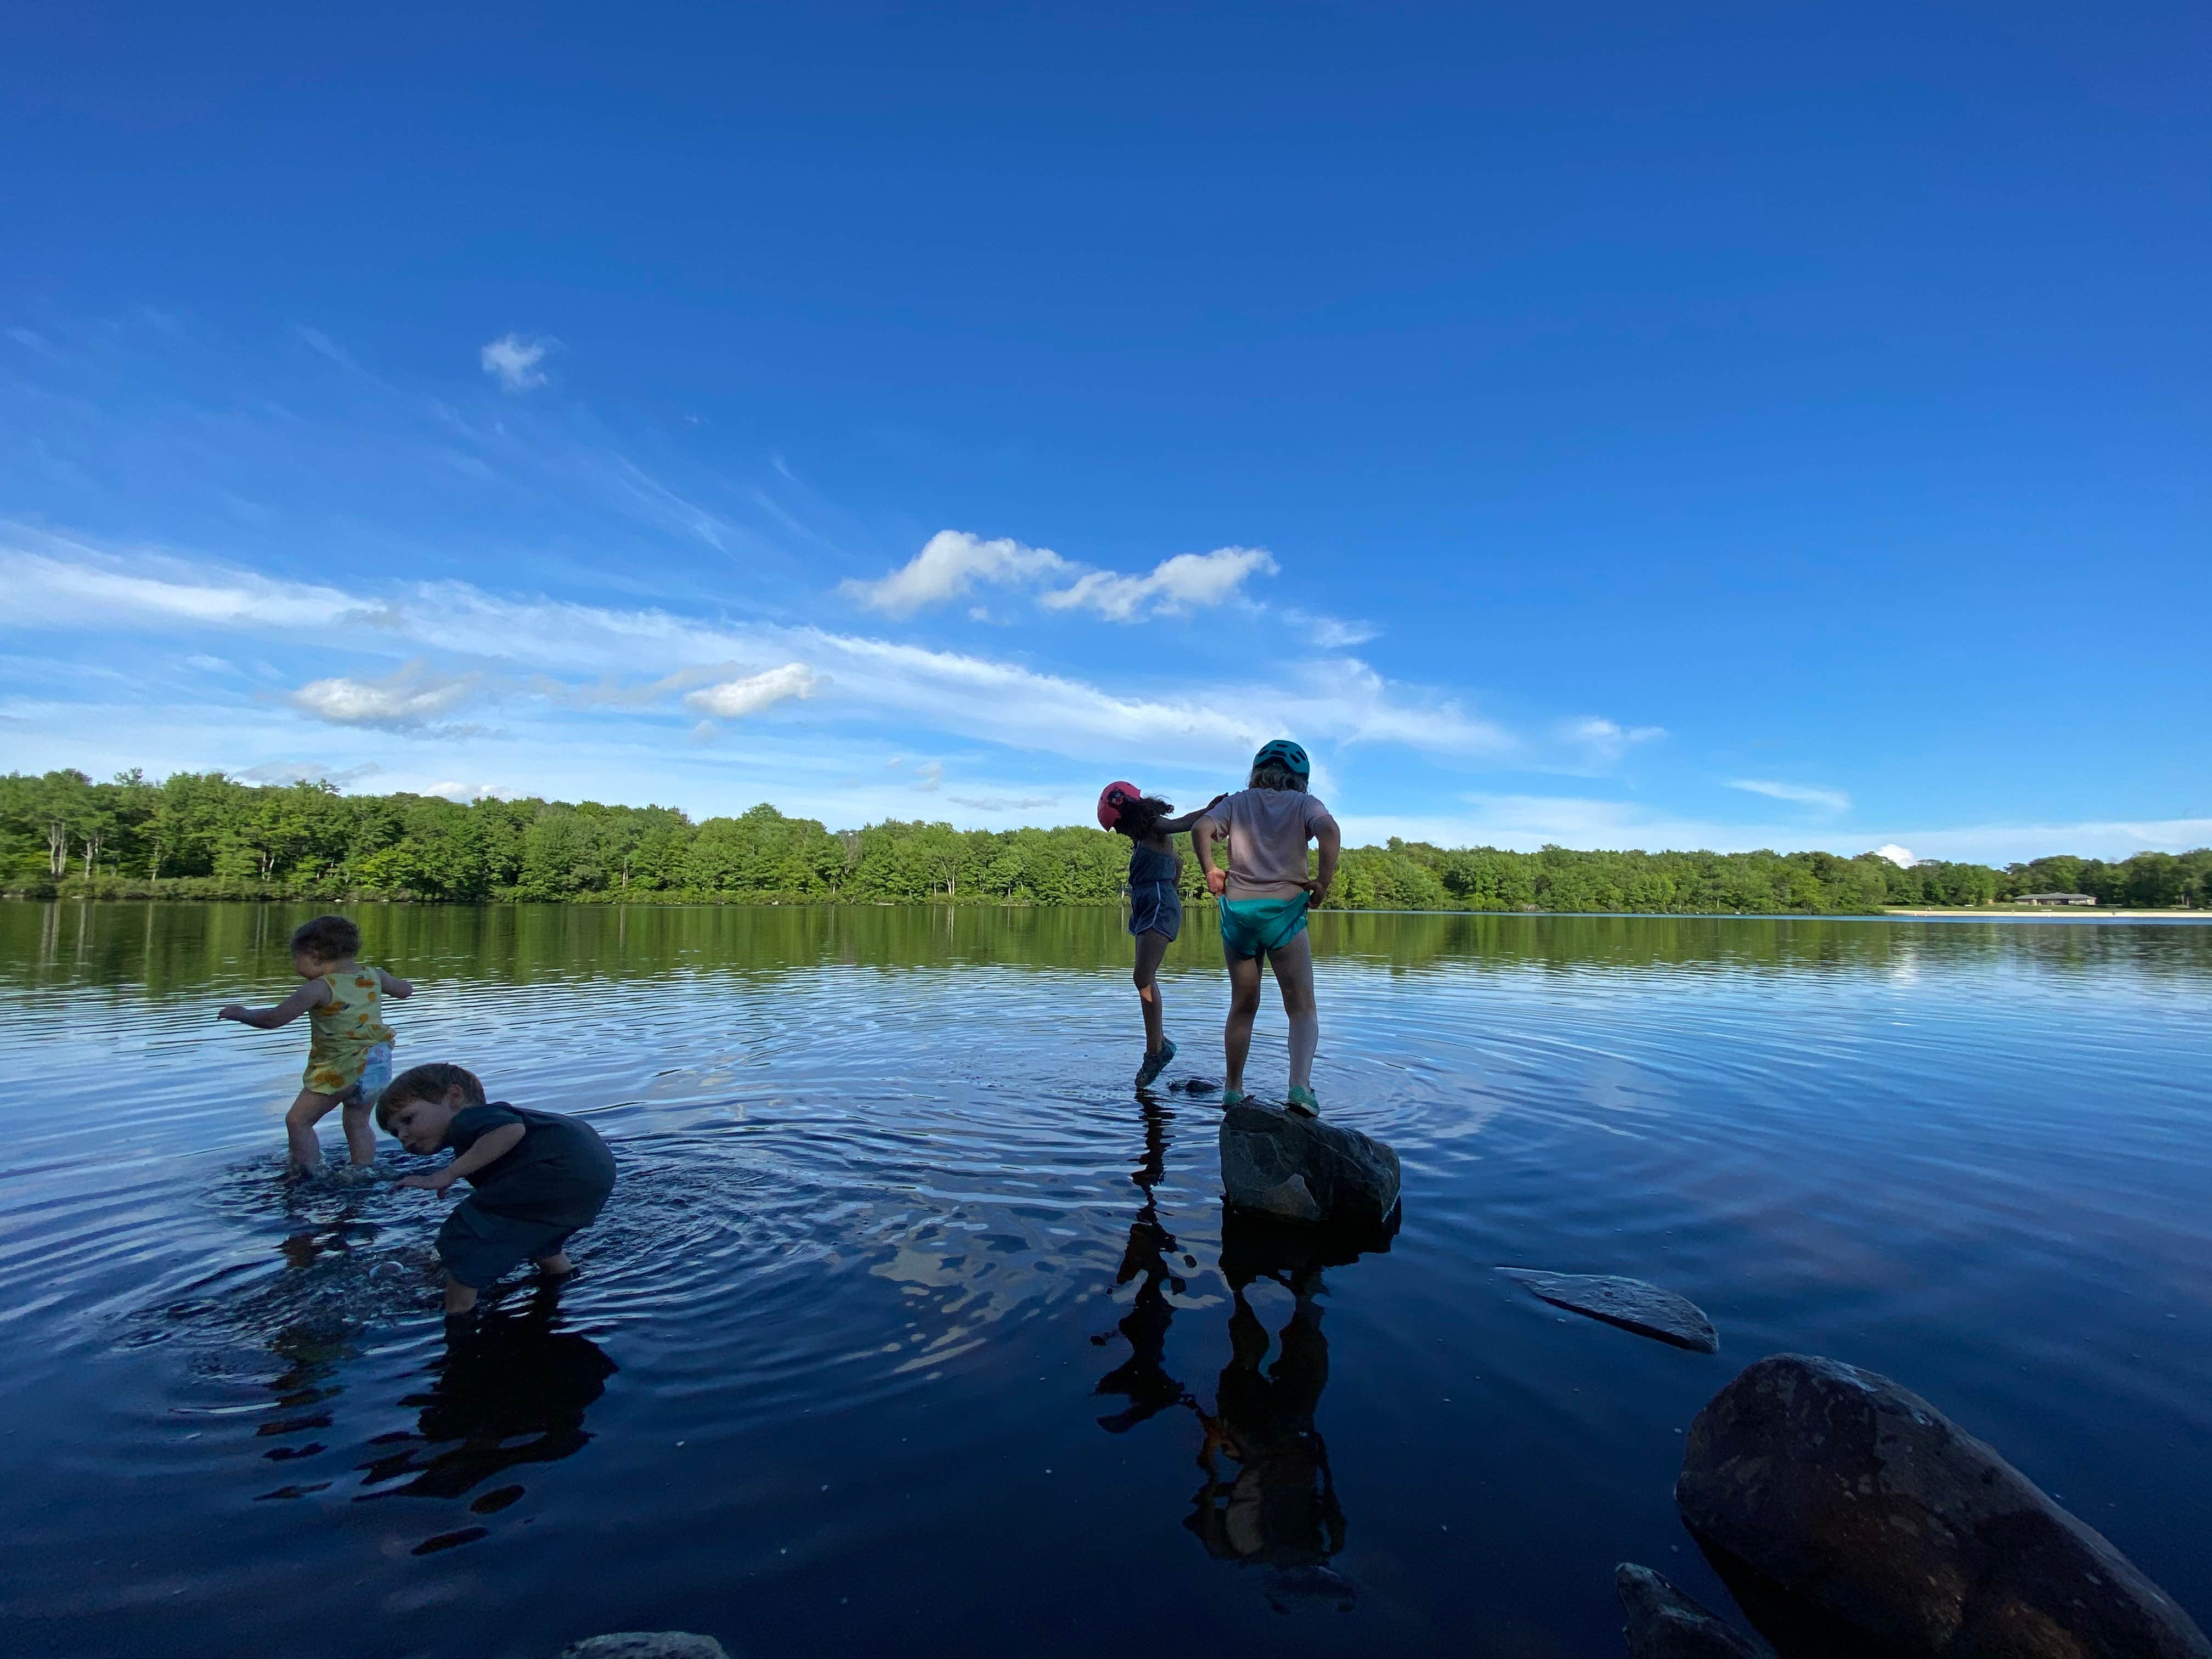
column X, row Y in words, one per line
column 1665, row 1624
column 647, row 1644
column 1304, row 1169
column 1861, row 1499
column 1628, row 1303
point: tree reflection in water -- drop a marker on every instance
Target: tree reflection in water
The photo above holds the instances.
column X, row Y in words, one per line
column 1269, row 1499
column 512, row 1391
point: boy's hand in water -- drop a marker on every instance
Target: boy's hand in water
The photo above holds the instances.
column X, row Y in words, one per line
column 232, row 1010
column 1217, row 882
column 435, row 1180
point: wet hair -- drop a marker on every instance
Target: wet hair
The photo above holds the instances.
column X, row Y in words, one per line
column 326, row 939
column 1139, row 816
column 428, row 1082
column 1273, row 774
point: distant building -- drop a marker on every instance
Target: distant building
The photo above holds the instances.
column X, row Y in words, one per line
column 2054, row 898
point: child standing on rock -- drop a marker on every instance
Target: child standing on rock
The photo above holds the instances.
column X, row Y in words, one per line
column 1155, row 901
column 1265, row 894
column 348, row 1044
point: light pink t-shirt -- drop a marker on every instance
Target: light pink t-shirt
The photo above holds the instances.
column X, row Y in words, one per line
column 1269, row 829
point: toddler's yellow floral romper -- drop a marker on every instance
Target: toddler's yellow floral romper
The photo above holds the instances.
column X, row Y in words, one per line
column 348, row 1044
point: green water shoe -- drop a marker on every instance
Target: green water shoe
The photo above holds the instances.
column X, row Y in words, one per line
column 1155, row 1063
column 1301, row 1100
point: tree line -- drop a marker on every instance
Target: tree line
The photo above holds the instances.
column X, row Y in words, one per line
column 207, row 835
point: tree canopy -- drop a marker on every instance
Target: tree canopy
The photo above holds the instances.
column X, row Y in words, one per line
column 206, row 835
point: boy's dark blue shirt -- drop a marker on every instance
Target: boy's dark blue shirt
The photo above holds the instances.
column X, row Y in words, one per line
column 560, row 1171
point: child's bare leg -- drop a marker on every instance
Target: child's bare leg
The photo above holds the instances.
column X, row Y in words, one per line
column 306, row 1146
column 459, row 1297
column 1293, row 966
column 556, row 1265
column 1243, row 1009
column 1151, row 948
column 360, row 1133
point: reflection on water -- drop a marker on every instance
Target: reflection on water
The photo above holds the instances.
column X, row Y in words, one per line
column 510, row 1390
column 907, row 1327
column 1268, row 1498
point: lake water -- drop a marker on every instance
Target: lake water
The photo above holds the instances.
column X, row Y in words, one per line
column 906, row 1329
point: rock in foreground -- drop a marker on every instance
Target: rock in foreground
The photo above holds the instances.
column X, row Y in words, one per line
column 1628, row 1303
column 647, row 1644
column 1862, row 1499
column 1665, row 1624
column 1304, row 1169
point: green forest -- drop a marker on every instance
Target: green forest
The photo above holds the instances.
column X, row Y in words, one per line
column 204, row 836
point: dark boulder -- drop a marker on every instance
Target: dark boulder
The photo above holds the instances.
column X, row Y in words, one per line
column 1665, row 1624
column 1861, row 1499
column 1628, row 1303
column 1301, row 1168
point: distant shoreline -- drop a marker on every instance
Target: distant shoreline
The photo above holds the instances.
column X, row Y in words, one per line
column 2051, row 912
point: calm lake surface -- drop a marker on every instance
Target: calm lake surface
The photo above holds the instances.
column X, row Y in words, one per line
column 906, row 1321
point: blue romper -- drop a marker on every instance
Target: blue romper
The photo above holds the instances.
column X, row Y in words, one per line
column 1155, row 906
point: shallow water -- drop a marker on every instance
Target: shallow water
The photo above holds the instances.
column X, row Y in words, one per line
column 908, row 1329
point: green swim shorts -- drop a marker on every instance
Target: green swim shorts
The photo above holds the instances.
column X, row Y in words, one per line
column 1251, row 926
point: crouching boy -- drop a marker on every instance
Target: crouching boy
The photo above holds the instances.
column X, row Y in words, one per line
column 538, row 1176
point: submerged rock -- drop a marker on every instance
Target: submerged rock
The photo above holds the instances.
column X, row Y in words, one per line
column 1628, row 1303
column 1194, row 1086
column 1665, row 1624
column 1303, row 1169
column 647, row 1644
column 1858, row 1498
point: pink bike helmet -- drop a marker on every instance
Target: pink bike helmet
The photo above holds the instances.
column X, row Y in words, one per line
column 1111, row 800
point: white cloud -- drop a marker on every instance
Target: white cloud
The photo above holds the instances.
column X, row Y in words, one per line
column 1331, row 633
column 408, row 700
column 208, row 665
column 1805, row 795
column 1900, row 856
column 306, row 772
column 928, row 776
column 1000, row 804
column 1604, row 742
column 466, row 792
column 954, row 562
column 950, row 564
column 513, row 361
column 1182, row 583
column 733, row 700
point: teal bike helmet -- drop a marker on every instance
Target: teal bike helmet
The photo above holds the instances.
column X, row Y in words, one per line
column 1287, row 753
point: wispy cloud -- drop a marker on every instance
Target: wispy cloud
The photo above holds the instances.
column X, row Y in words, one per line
column 1330, row 633
column 1603, row 742
column 306, row 772
column 1003, row 803
column 733, row 700
column 411, row 699
column 513, row 361
column 1187, row 581
column 952, row 563
column 1804, row 794
column 949, row 563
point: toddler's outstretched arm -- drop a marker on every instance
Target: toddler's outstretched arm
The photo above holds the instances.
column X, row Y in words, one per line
column 392, row 985
column 313, row 994
column 1189, row 820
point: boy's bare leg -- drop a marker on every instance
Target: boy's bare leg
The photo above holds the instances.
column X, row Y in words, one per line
column 459, row 1297
column 1293, row 966
column 305, row 1146
column 556, row 1265
column 1151, row 948
column 360, row 1133
column 1243, row 1009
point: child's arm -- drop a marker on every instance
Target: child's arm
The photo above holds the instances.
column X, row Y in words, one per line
column 392, row 985
column 313, row 994
column 492, row 1146
column 1332, row 844
column 1203, row 835
column 1189, row 820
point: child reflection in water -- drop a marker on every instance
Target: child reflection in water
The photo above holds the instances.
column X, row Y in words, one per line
column 511, row 1391
column 1277, row 1505
column 1143, row 1377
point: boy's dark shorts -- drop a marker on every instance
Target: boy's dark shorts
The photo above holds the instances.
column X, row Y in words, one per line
column 478, row 1246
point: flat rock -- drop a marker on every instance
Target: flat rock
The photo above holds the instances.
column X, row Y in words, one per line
column 647, row 1644
column 1628, row 1303
column 1859, row 1499
column 1301, row 1168
column 1665, row 1624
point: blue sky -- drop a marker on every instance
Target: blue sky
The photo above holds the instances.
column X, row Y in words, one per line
column 1728, row 430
